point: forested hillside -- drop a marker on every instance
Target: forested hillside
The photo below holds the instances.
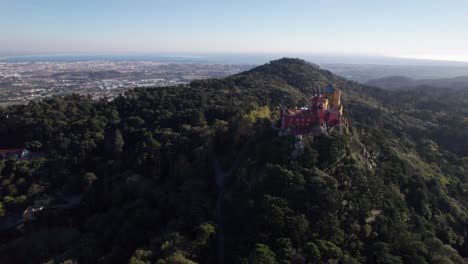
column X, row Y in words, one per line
column 197, row 174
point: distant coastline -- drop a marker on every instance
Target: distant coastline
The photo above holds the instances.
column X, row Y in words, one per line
column 87, row 58
column 232, row 58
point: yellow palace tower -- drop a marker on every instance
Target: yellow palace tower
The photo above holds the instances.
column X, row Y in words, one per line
column 334, row 97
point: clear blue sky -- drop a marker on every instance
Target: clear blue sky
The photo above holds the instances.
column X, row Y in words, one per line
column 435, row 29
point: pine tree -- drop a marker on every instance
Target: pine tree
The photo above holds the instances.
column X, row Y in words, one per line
column 118, row 142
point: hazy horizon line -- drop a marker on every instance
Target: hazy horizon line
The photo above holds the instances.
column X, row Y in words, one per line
column 251, row 57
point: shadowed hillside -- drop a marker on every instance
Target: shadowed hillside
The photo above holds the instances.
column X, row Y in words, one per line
column 402, row 82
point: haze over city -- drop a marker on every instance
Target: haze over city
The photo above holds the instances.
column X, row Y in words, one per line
column 428, row 29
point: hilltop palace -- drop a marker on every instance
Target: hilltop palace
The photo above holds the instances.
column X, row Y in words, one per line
column 323, row 113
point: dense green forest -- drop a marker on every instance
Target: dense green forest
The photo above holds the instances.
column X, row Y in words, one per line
column 198, row 174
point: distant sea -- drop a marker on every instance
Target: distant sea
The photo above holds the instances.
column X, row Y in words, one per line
column 234, row 58
column 84, row 58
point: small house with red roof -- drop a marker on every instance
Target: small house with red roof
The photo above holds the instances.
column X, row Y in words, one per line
column 14, row 153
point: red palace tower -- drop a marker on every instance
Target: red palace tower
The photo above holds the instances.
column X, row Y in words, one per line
column 323, row 113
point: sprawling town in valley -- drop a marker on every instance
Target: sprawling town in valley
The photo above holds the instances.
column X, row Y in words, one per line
column 21, row 82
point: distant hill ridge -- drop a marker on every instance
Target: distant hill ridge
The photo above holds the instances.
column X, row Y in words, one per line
column 402, row 82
